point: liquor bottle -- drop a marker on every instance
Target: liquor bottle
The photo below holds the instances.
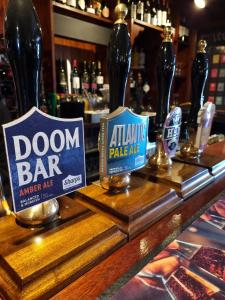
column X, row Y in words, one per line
column 75, row 79
column 164, row 13
column 140, row 10
column 147, row 13
column 23, row 40
column 159, row 13
column 85, row 78
column 119, row 54
column 93, row 78
column 99, row 77
column 81, row 4
column 165, row 72
column 199, row 76
column 153, row 13
column 62, row 79
column 72, row 3
column 133, row 10
column 105, row 9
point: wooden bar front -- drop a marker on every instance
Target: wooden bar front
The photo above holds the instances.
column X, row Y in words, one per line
column 86, row 262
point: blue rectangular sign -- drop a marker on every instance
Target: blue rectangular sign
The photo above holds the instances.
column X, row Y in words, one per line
column 46, row 157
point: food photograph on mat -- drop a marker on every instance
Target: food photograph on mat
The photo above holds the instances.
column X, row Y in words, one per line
column 190, row 267
column 216, row 214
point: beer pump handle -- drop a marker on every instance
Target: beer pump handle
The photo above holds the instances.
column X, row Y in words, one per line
column 199, row 76
column 23, row 39
column 119, row 58
column 165, row 72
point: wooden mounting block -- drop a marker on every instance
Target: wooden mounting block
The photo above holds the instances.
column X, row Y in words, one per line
column 214, row 163
column 35, row 264
column 134, row 210
column 184, row 178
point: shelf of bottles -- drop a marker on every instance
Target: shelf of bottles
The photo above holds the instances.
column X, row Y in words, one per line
column 94, row 11
column 153, row 14
column 81, row 90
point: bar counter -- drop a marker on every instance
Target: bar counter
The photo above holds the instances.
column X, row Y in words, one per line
column 109, row 275
column 112, row 268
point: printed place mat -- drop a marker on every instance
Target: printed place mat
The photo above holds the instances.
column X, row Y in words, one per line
column 191, row 267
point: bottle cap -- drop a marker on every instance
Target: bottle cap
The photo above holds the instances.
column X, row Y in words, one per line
column 167, row 34
column 121, row 12
column 201, row 46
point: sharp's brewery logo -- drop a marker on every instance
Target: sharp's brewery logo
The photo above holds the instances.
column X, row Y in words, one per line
column 45, row 157
column 123, row 141
column 171, row 131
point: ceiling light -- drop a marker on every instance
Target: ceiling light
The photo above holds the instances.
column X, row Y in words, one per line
column 200, row 3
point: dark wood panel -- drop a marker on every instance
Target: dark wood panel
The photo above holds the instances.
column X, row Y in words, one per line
column 3, row 4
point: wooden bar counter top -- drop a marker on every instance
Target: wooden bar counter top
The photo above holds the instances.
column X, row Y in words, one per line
column 130, row 258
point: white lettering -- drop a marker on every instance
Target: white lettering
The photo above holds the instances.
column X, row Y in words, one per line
column 40, row 170
column 53, row 161
column 113, row 142
column 72, row 141
column 17, row 146
column 24, row 174
column 129, row 134
column 35, row 145
column 53, row 140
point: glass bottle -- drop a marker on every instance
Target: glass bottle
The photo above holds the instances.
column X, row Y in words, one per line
column 85, row 78
column 133, row 10
column 105, row 10
column 153, row 13
column 71, row 3
column 159, row 13
column 140, row 10
column 99, row 77
column 75, row 79
column 62, row 79
column 147, row 13
column 81, row 4
column 93, row 78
